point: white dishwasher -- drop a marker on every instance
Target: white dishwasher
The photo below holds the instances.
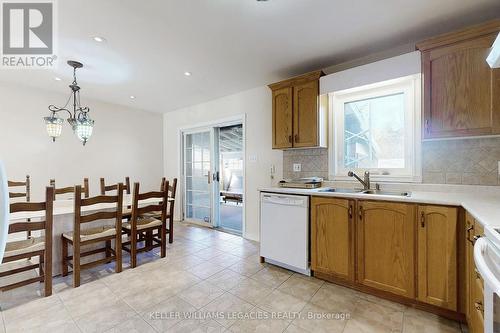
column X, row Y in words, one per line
column 284, row 231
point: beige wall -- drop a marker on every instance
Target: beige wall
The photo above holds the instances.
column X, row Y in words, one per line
column 126, row 142
column 256, row 105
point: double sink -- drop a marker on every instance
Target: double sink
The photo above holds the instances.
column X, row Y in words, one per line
column 361, row 191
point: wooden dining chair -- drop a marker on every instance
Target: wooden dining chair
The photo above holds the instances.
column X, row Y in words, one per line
column 25, row 193
column 20, row 194
column 105, row 188
column 70, row 189
column 140, row 225
column 81, row 237
column 170, row 209
column 33, row 246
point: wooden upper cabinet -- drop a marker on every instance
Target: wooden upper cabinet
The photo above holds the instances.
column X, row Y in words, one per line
column 385, row 246
column 460, row 90
column 437, row 256
column 332, row 232
column 305, row 115
column 282, row 118
column 299, row 120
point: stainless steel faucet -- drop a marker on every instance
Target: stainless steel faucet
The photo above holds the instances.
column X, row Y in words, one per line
column 365, row 182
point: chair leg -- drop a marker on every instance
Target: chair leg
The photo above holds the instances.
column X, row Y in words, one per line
column 48, row 274
column 163, row 244
column 118, row 253
column 133, row 249
column 76, row 264
column 171, row 229
column 149, row 240
column 40, row 267
column 64, row 256
column 108, row 249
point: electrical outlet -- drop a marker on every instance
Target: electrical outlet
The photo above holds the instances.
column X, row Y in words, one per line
column 297, row 167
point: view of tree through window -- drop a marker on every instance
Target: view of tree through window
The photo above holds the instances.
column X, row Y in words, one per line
column 374, row 132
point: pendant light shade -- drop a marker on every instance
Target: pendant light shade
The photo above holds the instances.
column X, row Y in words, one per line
column 83, row 129
column 54, row 126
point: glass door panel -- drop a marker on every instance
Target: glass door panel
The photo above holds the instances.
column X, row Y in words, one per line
column 198, row 187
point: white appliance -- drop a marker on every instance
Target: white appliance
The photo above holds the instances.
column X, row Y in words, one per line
column 284, row 231
column 487, row 259
column 4, row 210
column 494, row 56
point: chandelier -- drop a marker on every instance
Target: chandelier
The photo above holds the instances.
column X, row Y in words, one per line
column 78, row 118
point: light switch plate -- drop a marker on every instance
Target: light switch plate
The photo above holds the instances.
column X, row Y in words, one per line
column 297, row 167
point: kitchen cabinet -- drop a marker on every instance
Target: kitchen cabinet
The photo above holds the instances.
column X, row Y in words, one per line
column 437, row 271
column 386, row 246
column 332, row 232
column 461, row 93
column 282, row 118
column 475, row 299
column 299, row 113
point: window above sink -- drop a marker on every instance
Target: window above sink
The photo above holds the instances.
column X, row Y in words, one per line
column 376, row 128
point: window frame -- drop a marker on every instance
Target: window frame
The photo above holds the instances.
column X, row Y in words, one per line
column 411, row 87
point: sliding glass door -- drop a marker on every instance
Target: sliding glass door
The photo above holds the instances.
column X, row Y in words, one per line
column 198, row 191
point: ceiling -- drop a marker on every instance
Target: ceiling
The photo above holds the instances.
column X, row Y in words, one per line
column 228, row 45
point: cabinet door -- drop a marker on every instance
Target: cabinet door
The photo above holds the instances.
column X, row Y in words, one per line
column 305, row 114
column 332, row 243
column 437, row 256
column 282, row 118
column 460, row 90
column 385, row 243
column 469, row 264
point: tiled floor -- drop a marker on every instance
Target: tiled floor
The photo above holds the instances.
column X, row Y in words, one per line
column 209, row 282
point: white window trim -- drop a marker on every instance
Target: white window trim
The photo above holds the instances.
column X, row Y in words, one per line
column 412, row 87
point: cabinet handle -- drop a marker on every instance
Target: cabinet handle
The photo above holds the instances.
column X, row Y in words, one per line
column 468, row 230
column 479, row 306
column 478, row 275
column 475, row 238
column 422, row 219
column 290, row 139
column 360, row 213
column 296, row 138
column 350, row 212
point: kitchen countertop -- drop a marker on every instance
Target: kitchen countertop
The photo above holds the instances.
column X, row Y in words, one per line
column 484, row 207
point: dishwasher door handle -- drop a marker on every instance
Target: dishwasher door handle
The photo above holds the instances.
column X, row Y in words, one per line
column 279, row 200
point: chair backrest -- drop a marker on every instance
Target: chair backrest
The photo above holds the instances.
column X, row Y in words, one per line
column 104, row 188
column 171, row 188
column 20, row 194
column 46, row 224
column 70, row 189
column 159, row 204
column 106, row 214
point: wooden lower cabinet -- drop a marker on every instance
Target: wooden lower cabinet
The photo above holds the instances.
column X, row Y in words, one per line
column 475, row 299
column 386, row 247
column 437, row 256
column 332, row 243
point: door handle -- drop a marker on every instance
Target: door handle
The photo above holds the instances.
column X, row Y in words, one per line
column 290, row 139
column 422, row 219
column 360, row 213
column 209, row 177
column 468, row 230
column 350, row 212
column 216, row 176
column 296, row 138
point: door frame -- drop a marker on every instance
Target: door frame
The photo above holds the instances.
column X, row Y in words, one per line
column 208, row 125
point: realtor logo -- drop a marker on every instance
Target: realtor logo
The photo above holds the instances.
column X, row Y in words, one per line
column 28, row 34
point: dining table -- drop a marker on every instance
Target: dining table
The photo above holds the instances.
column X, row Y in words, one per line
column 63, row 222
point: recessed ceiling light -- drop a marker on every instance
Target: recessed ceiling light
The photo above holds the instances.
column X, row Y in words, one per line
column 57, row 78
column 99, row 39
column 132, row 97
column 187, row 73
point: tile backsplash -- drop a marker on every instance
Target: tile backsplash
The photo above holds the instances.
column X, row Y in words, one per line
column 463, row 161
column 314, row 162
